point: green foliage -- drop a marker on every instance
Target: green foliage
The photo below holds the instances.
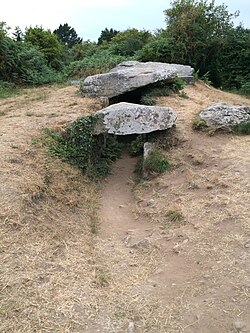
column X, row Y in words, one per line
column 80, row 147
column 243, row 128
column 159, row 48
column 128, row 42
column 139, row 166
column 107, row 35
column 24, row 64
column 245, row 89
column 235, row 61
column 155, row 162
column 135, row 148
column 177, row 85
column 8, row 89
column 199, row 29
column 147, row 100
column 199, row 124
column 47, row 43
column 67, row 35
column 162, row 88
column 99, row 62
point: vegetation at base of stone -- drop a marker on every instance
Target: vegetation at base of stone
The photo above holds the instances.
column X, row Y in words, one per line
column 199, row 124
column 243, row 128
column 147, row 100
column 197, row 33
column 80, row 147
column 155, row 162
column 139, row 166
column 135, row 147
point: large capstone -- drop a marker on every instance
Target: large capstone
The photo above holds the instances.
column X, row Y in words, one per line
column 131, row 75
column 127, row 118
column 225, row 116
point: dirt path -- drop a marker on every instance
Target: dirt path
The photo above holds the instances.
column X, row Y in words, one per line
column 117, row 200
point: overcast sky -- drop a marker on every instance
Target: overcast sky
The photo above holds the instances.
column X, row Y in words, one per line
column 90, row 17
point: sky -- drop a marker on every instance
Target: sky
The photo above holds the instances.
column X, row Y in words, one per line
column 90, row 17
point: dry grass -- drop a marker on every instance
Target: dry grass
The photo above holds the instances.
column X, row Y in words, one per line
column 59, row 274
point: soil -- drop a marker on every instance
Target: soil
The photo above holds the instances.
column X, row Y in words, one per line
column 170, row 254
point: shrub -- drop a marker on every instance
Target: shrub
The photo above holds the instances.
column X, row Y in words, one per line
column 245, row 89
column 135, row 148
column 199, row 124
column 99, row 62
column 155, row 162
column 78, row 145
column 243, row 128
column 147, row 100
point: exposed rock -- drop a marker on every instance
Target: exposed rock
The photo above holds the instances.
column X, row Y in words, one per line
column 239, row 326
column 127, row 118
column 151, row 203
column 225, row 116
column 147, row 148
column 144, row 243
column 130, row 75
column 247, row 244
column 131, row 327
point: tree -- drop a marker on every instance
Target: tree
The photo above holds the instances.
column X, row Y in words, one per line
column 107, row 35
column 18, row 34
column 128, row 42
column 47, row 43
column 200, row 31
column 235, row 59
column 67, row 35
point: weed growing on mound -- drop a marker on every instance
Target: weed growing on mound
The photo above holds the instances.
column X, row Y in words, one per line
column 155, row 162
column 199, row 124
column 243, row 128
column 78, row 145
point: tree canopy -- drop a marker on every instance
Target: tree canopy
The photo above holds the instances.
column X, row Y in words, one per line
column 107, row 35
column 67, row 35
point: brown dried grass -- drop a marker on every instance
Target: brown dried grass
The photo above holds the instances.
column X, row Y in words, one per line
column 56, row 276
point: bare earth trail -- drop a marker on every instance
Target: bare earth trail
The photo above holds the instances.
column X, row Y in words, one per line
column 117, row 201
column 143, row 269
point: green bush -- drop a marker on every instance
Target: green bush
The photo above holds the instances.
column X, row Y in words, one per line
column 245, row 89
column 147, row 100
column 78, row 145
column 155, row 162
column 135, row 148
column 199, row 124
column 99, row 62
column 243, row 128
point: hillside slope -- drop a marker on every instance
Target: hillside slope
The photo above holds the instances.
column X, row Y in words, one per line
column 171, row 254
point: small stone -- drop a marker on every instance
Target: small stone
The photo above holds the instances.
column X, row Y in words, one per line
column 239, row 326
column 121, row 206
column 151, row 203
column 247, row 244
column 176, row 249
column 131, row 327
column 144, row 243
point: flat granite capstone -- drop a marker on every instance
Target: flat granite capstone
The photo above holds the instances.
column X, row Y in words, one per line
column 128, row 118
column 131, row 75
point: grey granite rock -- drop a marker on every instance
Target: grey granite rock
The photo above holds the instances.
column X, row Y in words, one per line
column 130, row 75
column 127, row 118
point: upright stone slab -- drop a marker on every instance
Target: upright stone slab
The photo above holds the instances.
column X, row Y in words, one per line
column 128, row 118
column 130, row 75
